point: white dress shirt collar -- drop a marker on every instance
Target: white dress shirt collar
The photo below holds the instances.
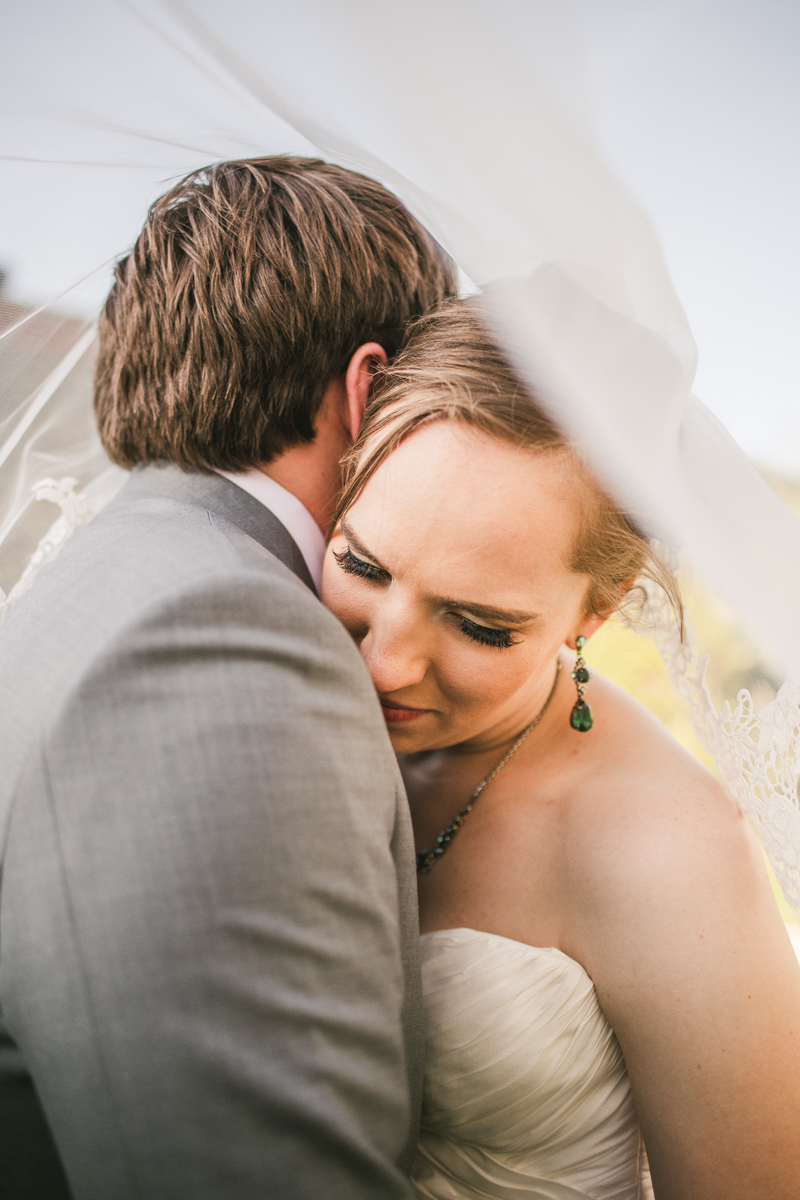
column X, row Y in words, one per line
column 291, row 512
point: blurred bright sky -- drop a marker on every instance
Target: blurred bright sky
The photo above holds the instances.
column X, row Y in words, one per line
column 695, row 104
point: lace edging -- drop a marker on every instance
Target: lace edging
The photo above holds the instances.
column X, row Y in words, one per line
column 757, row 755
column 77, row 508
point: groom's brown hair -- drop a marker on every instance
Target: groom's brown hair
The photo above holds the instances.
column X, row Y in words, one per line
column 245, row 295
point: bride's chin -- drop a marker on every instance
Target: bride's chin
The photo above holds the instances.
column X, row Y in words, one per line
column 414, row 730
column 419, row 741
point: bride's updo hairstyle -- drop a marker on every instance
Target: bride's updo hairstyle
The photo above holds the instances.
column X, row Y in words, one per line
column 449, row 369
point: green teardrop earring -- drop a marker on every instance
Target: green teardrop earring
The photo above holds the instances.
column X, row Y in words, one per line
column 581, row 716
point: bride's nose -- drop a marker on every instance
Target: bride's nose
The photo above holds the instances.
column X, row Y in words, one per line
column 395, row 650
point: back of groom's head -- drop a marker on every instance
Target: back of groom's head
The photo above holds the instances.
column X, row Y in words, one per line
column 247, row 292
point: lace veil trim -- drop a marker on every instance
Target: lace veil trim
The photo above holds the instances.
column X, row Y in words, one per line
column 757, row 754
column 77, row 508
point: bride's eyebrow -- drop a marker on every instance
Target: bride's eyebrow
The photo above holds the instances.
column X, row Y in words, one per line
column 508, row 616
column 357, row 544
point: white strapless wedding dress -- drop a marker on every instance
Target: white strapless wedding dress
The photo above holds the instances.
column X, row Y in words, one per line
column 526, row 1091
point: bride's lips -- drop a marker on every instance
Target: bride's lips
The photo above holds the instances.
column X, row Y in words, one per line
column 397, row 712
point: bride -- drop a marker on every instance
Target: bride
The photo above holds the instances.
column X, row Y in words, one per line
column 604, row 965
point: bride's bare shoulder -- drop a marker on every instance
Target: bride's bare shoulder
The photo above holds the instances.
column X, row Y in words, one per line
column 644, row 814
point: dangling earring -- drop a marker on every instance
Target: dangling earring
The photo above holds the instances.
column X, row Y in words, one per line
column 581, row 716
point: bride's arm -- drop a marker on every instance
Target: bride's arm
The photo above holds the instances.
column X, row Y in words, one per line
column 697, row 975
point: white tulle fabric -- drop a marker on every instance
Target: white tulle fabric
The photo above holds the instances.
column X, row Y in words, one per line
column 472, row 113
column 526, row 1091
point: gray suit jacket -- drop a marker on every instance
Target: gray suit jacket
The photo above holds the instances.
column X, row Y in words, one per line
column 208, row 938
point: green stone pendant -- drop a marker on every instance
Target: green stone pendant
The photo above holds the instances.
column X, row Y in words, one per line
column 581, row 717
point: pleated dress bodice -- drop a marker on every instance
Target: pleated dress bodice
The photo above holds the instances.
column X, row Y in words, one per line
column 526, row 1090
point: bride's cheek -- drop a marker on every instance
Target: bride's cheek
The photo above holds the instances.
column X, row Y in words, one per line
column 481, row 678
column 348, row 604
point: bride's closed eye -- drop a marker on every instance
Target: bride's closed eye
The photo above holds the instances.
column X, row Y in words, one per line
column 354, row 565
column 485, row 635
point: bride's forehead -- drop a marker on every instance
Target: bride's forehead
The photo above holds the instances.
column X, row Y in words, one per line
column 463, row 492
column 450, row 470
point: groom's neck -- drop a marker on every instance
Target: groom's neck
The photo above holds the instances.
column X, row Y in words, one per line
column 312, row 471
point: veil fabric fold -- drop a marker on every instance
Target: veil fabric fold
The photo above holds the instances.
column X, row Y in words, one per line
column 472, row 115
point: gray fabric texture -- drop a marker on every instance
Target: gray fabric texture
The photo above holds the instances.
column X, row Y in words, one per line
column 208, row 928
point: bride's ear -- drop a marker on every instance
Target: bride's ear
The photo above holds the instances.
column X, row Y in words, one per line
column 358, row 381
column 592, row 621
column 588, row 626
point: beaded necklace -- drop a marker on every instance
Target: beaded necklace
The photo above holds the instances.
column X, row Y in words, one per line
column 426, row 858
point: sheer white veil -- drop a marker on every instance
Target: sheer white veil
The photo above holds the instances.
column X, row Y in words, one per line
column 471, row 113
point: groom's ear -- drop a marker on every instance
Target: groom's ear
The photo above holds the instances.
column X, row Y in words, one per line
column 358, row 380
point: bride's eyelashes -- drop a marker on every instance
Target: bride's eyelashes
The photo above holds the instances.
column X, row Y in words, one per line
column 486, row 636
column 353, row 565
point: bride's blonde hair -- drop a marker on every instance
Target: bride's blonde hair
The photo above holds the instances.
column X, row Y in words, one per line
column 449, row 369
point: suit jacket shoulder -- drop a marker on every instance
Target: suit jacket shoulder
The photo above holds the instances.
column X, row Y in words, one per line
column 207, row 844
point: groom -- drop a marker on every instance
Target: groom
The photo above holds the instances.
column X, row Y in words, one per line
column 208, row 974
